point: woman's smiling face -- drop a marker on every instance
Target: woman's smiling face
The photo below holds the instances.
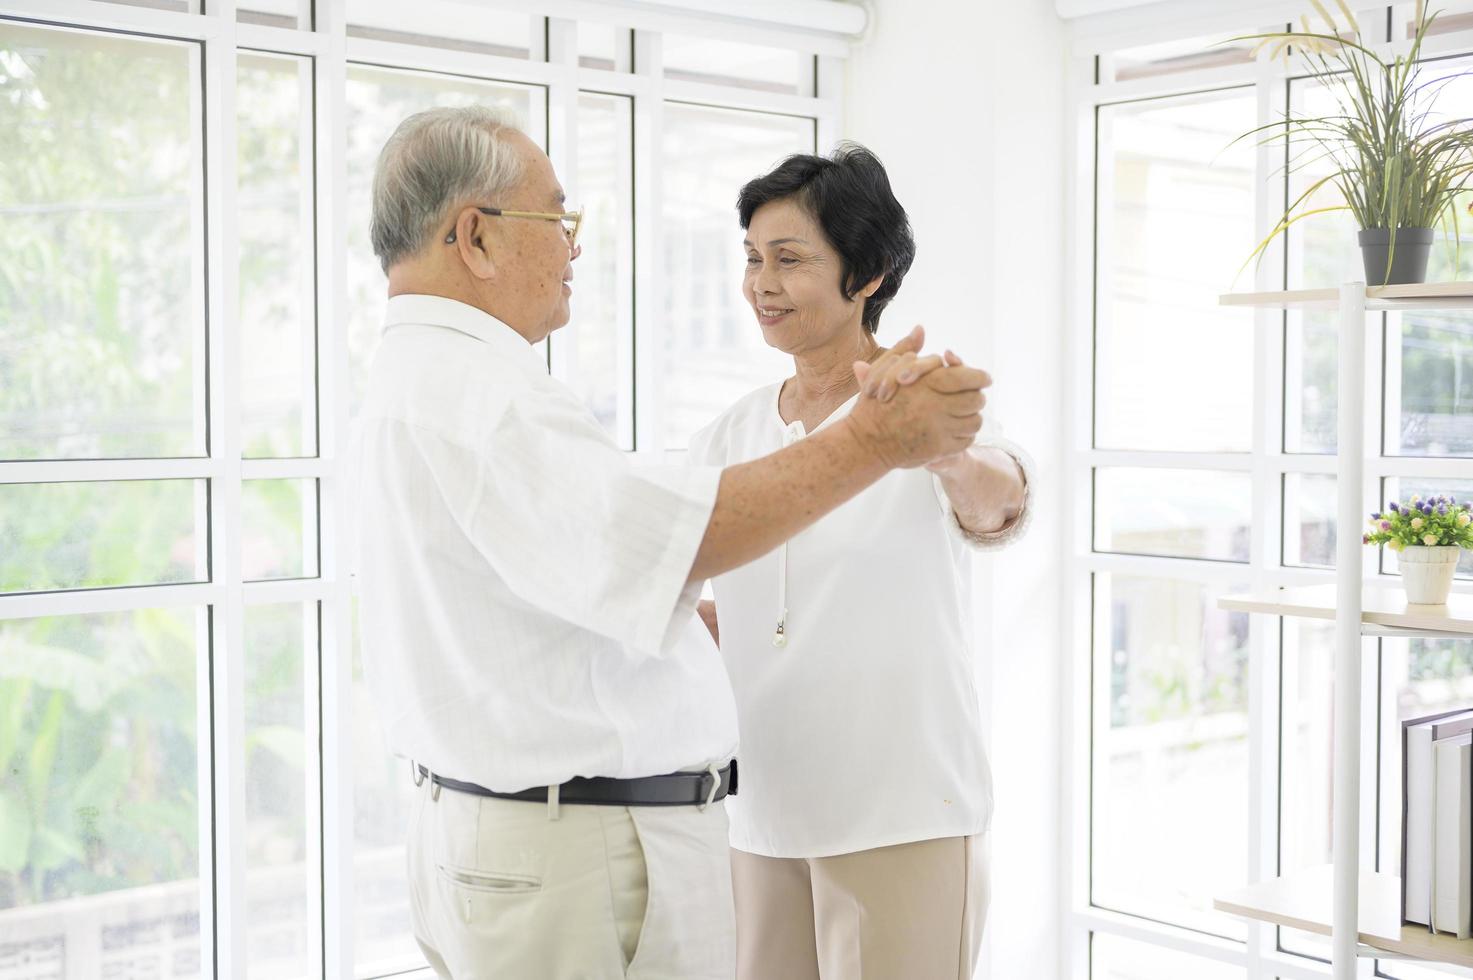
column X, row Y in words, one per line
column 793, row 280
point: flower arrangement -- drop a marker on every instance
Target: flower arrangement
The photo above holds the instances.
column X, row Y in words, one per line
column 1430, row 523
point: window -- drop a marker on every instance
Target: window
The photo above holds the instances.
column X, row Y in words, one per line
column 190, row 304
column 1207, row 473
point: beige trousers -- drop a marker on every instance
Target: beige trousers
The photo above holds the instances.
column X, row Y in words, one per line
column 505, row 890
column 908, row 912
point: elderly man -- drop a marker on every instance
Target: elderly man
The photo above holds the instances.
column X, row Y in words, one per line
column 527, row 591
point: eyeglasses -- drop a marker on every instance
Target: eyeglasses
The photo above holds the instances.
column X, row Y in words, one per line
column 572, row 221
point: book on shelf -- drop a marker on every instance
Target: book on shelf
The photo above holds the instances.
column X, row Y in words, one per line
column 1418, row 808
column 1452, row 848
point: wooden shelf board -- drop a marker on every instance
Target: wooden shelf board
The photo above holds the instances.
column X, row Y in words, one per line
column 1380, row 606
column 1303, row 901
column 1410, row 296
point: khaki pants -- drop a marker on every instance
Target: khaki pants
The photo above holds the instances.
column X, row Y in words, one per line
column 908, row 912
column 500, row 890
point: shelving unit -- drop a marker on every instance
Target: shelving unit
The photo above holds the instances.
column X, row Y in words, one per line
column 1360, row 911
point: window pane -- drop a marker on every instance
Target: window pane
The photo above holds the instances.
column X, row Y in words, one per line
column 1306, row 760
column 1169, row 179
column 711, row 334
column 101, row 239
column 701, row 59
column 379, row 99
column 278, row 529
column 277, row 322
column 99, row 811
column 1180, row 513
column 271, row 13
column 1170, row 752
column 1430, row 384
column 1175, row 57
column 605, row 46
column 93, row 535
column 1403, row 489
column 1118, row 958
column 500, row 33
column 280, row 645
column 1311, row 382
column 1310, row 506
column 595, row 353
column 383, row 939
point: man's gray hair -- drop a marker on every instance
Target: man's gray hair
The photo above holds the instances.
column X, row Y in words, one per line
column 436, row 160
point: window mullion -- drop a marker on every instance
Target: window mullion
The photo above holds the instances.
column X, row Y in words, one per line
column 223, row 711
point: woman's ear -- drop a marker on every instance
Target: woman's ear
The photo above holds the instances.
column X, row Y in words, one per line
column 872, row 285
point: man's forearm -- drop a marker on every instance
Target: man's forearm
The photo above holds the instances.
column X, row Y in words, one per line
column 985, row 487
column 761, row 504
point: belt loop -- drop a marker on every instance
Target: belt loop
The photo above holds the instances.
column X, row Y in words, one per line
column 434, row 789
column 715, row 775
column 415, row 774
column 553, row 793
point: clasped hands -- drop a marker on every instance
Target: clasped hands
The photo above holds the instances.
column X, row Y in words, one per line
column 929, row 406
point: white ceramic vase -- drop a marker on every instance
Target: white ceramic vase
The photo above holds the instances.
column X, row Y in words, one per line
column 1427, row 573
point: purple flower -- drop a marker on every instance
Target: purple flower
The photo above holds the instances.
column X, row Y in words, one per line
column 1426, row 508
column 1376, row 516
column 1385, row 525
column 1393, row 508
column 1365, row 539
column 1442, row 508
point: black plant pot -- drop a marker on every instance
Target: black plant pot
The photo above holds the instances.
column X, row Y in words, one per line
column 1408, row 260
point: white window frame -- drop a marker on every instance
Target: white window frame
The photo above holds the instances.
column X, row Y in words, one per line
column 1091, row 38
column 816, row 27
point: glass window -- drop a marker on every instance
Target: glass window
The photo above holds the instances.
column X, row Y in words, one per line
column 1118, row 958
column 605, row 46
column 1175, row 217
column 280, row 647
column 383, row 938
column 278, row 529
column 1305, row 761
column 595, row 353
column 1310, row 505
column 1175, row 57
column 99, row 535
column 734, row 63
column 711, row 335
column 101, row 234
column 99, row 806
column 492, row 31
column 1430, row 383
column 1178, row 513
column 379, row 99
column 273, row 13
column 1170, row 751
column 277, row 285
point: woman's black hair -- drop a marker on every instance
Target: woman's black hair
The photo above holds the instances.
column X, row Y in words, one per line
column 849, row 195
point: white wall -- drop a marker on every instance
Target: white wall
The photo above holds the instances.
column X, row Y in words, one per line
column 964, row 102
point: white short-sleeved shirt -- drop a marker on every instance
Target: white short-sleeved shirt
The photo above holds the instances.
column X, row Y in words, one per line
column 863, row 728
column 523, row 598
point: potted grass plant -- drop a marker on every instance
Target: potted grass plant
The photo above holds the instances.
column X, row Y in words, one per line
column 1428, row 537
column 1399, row 165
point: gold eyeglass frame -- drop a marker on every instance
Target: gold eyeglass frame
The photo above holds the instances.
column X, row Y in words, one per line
column 572, row 221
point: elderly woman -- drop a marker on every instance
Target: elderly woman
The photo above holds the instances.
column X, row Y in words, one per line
column 859, row 833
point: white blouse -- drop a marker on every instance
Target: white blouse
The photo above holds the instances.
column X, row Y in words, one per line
column 850, row 652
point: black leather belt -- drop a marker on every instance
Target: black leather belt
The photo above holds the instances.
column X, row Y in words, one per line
column 674, row 789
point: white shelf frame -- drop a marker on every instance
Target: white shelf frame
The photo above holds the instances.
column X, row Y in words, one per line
column 1352, row 301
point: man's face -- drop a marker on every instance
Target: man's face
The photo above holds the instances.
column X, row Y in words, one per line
column 534, row 263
